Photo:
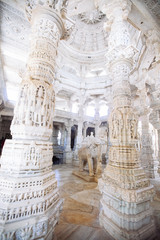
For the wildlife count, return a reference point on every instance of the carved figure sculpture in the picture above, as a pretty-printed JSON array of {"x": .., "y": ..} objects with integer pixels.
[{"x": 90, "y": 152}]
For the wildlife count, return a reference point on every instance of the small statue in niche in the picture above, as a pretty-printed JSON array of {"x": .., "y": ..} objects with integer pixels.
[
  {"x": 117, "y": 125},
  {"x": 32, "y": 154},
  {"x": 133, "y": 128},
  {"x": 39, "y": 105},
  {"x": 21, "y": 107}
]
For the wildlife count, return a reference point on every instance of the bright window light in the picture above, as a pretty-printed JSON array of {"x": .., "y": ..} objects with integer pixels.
[
  {"x": 75, "y": 108},
  {"x": 59, "y": 137},
  {"x": 103, "y": 110},
  {"x": 90, "y": 111},
  {"x": 12, "y": 94}
]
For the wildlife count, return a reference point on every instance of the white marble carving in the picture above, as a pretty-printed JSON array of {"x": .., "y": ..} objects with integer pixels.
[
  {"x": 126, "y": 192},
  {"x": 91, "y": 152},
  {"x": 29, "y": 198}
]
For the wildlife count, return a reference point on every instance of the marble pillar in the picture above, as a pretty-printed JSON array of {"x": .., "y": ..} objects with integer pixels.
[
  {"x": 126, "y": 192},
  {"x": 78, "y": 143},
  {"x": 55, "y": 135},
  {"x": 146, "y": 154},
  {"x": 29, "y": 197},
  {"x": 68, "y": 151},
  {"x": 79, "y": 134},
  {"x": 62, "y": 135}
]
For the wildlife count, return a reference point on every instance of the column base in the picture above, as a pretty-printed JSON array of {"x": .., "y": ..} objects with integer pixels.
[
  {"x": 29, "y": 197},
  {"x": 126, "y": 204},
  {"x": 68, "y": 157},
  {"x": 38, "y": 227},
  {"x": 144, "y": 233}
]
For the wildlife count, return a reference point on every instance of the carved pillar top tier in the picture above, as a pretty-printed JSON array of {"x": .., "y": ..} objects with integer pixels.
[
  {"x": 119, "y": 44},
  {"x": 115, "y": 10},
  {"x": 33, "y": 113},
  {"x": 58, "y": 6},
  {"x": 40, "y": 12},
  {"x": 47, "y": 29},
  {"x": 123, "y": 121},
  {"x": 120, "y": 50}
]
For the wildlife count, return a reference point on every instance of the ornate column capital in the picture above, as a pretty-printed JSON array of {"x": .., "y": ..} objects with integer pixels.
[
  {"x": 56, "y": 5},
  {"x": 114, "y": 10},
  {"x": 51, "y": 15},
  {"x": 153, "y": 43},
  {"x": 119, "y": 41}
]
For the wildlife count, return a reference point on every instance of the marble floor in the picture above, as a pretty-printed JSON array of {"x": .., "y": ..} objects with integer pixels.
[{"x": 79, "y": 216}]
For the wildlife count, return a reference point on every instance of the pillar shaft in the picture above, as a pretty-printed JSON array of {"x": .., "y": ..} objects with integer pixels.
[
  {"x": 68, "y": 151},
  {"x": 29, "y": 198},
  {"x": 147, "y": 151},
  {"x": 68, "y": 146},
  {"x": 79, "y": 134},
  {"x": 126, "y": 192},
  {"x": 62, "y": 135}
]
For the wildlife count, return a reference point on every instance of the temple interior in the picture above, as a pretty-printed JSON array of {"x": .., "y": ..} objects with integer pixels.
[{"x": 79, "y": 119}]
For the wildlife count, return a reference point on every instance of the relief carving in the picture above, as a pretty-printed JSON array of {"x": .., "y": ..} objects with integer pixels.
[{"x": 116, "y": 123}]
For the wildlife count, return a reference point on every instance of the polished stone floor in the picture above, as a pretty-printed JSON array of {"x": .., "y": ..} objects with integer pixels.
[{"x": 79, "y": 216}]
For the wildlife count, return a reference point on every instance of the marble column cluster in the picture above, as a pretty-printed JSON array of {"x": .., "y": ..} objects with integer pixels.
[
  {"x": 126, "y": 192},
  {"x": 29, "y": 198}
]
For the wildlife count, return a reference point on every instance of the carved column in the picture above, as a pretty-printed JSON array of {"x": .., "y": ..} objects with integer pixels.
[
  {"x": 155, "y": 120},
  {"x": 153, "y": 46},
  {"x": 80, "y": 123},
  {"x": 97, "y": 117},
  {"x": 62, "y": 135},
  {"x": 68, "y": 151},
  {"x": 146, "y": 155},
  {"x": 55, "y": 135},
  {"x": 29, "y": 198},
  {"x": 78, "y": 142},
  {"x": 79, "y": 134},
  {"x": 126, "y": 192}
]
